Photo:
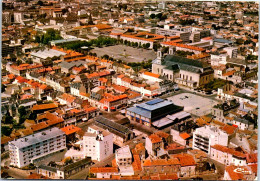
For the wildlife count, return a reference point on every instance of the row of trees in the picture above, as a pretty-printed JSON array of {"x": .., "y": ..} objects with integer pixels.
[
  {"x": 140, "y": 65},
  {"x": 50, "y": 35},
  {"x": 99, "y": 42},
  {"x": 160, "y": 16},
  {"x": 135, "y": 44}
]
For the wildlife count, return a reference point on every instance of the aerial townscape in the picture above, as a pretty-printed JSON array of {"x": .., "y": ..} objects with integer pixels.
[{"x": 129, "y": 90}]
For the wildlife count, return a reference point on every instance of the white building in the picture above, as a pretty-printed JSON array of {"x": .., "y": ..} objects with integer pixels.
[
  {"x": 207, "y": 136},
  {"x": 26, "y": 150},
  {"x": 124, "y": 156},
  {"x": 227, "y": 156},
  {"x": 18, "y": 18},
  {"x": 217, "y": 60},
  {"x": 231, "y": 51},
  {"x": 97, "y": 143}
]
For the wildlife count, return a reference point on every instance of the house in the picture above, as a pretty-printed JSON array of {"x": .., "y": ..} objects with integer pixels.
[
  {"x": 181, "y": 138},
  {"x": 233, "y": 172},
  {"x": 155, "y": 143},
  {"x": 123, "y": 156},
  {"x": 64, "y": 171},
  {"x": 187, "y": 163},
  {"x": 104, "y": 172},
  {"x": 227, "y": 156}
]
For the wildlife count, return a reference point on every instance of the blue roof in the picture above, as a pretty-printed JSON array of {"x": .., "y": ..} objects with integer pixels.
[{"x": 154, "y": 104}]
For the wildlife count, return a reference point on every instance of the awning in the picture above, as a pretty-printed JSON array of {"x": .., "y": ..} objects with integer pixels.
[
  {"x": 147, "y": 95},
  {"x": 155, "y": 94},
  {"x": 112, "y": 107},
  {"x": 105, "y": 107}
]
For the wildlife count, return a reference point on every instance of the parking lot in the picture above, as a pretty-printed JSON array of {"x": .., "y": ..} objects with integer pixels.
[
  {"x": 193, "y": 104},
  {"x": 129, "y": 55}
]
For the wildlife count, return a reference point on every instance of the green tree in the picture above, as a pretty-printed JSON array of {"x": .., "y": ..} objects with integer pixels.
[
  {"x": 3, "y": 87},
  {"x": 6, "y": 131},
  {"x": 152, "y": 16},
  {"x": 22, "y": 114}
]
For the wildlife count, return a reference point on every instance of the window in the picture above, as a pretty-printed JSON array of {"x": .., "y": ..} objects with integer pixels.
[
  {"x": 180, "y": 75},
  {"x": 190, "y": 77}
]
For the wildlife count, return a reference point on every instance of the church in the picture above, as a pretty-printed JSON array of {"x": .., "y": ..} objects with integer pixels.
[{"x": 186, "y": 72}]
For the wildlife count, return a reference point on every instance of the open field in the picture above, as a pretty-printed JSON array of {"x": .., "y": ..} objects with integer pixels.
[{"x": 129, "y": 55}]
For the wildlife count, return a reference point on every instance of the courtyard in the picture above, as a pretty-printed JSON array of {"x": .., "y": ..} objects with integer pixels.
[
  {"x": 129, "y": 55},
  {"x": 194, "y": 104}
]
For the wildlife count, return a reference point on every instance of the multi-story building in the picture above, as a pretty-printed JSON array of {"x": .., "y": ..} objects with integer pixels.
[
  {"x": 124, "y": 156},
  {"x": 97, "y": 143},
  {"x": 209, "y": 135},
  {"x": 231, "y": 51},
  {"x": 29, "y": 149},
  {"x": 6, "y": 17},
  {"x": 184, "y": 71}
]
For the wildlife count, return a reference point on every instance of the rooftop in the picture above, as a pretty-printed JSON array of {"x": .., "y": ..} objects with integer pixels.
[{"x": 37, "y": 137}]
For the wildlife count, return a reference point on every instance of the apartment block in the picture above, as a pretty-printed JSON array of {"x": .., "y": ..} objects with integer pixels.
[
  {"x": 97, "y": 143},
  {"x": 26, "y": 150}
]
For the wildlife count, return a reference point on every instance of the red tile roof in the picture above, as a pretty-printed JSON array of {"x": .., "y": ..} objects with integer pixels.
[
  {"x": 183, "y": 46},
  {"x": 103, "y": 170},
  {"x": 44, "y": 106},
  {"x": 185, "y": 159},
  {"x": 185, "y": 135},
  {"x": 152, "y": 74},
  {"x": 70, "y": 129},
  {"x": 229, "y": 150}
]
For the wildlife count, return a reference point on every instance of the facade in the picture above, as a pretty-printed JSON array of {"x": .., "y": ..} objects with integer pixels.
[
  {"x": 227, "y": 156},
  {"x": 185, "y": 72},
  {"x": 97, "y": 144},
  {"x": 26, "y": 150},
  {"x": 209, "y": 135}
]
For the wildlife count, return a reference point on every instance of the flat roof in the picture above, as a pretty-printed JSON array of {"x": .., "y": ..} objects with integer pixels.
[
  {"x": 37, "y": 137},
  {"x": 123, "y": 152}
]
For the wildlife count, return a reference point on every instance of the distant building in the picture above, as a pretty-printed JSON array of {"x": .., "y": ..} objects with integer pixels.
[
  {"x": 6, "y": 17},
  {"x": 26, "y": 150}
]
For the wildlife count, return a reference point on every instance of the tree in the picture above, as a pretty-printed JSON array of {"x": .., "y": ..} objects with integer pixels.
[
  {"x": 40, "y": 3},
  {"x": 152, "y": 16},
  {"x": 90, "y": 21},
  {"x": 239, "y": 41},
  {"x": 22, "y": 114},
  {"x": 3, "y": 87},
  {"x": 6, "y": 131}
]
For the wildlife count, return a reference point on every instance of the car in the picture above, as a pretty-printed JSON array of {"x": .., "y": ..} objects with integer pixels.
[{"x": 197, "y": 108}]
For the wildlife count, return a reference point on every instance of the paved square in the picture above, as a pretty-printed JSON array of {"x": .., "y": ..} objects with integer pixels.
[
  {"x": 129, "y": 55},
  {"x": 193, "y": 104}
]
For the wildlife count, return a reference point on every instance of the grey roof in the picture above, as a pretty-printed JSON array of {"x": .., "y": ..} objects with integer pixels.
[
  {"x": 45, "y": 167},
  {"x": 171, "y": 62},
  {"x": 65, "y": 40},
  {"x": 69, "y": 65},
  {"x": 242, "y": 120},
  {"x": 37, "y": 137},
  {"x": 47, "y": 53},
  {"x": 221, "y": 40},
  {"x": 237, "y": 61},
  {"x": 113, "y": 127}
]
